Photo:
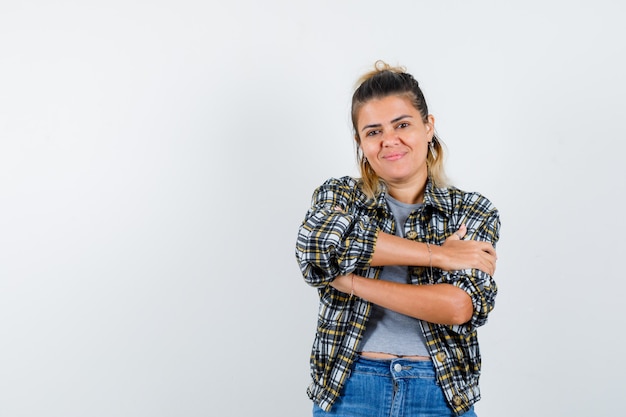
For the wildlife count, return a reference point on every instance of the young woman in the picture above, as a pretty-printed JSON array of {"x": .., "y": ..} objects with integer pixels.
[{"x": 403, "y": 264}]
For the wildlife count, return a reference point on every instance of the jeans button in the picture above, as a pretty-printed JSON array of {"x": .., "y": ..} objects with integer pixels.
[{"x": 397, "y": 367}]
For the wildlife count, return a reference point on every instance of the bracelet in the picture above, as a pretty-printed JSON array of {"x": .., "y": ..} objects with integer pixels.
[
  {"x": 430, "y": 261},
  {"x": 352, "y": 287}
]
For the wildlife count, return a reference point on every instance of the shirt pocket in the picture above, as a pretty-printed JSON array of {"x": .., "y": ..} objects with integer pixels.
[{"x": 424, "y": 275}]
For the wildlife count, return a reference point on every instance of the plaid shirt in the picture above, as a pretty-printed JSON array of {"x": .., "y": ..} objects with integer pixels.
[{"x": 338, "y": 236}]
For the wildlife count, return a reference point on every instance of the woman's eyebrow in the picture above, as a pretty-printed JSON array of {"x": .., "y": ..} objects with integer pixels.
[{"x": 397, "y": 119}]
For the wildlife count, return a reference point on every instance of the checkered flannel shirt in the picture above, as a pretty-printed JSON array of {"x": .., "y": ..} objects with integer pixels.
[{"x": 338, "y": 236}]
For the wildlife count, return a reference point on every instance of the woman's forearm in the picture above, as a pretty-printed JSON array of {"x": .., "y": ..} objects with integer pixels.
[
  {"x": 439, "y": 303},
  {"x": 454, "y": 254}
]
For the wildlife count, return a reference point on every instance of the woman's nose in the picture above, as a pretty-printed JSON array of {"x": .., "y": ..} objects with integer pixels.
[{"x": 390, "y": 138}]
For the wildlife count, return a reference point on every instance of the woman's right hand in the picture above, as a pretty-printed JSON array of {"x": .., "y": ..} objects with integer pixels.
[{"x": 456, "y": 253}]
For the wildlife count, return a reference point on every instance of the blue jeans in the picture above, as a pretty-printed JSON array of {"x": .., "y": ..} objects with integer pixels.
[{"x": 391, "y": 388}]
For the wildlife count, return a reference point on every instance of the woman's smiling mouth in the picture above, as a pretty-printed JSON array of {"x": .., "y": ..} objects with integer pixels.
[{"x": 394, "y": 156}]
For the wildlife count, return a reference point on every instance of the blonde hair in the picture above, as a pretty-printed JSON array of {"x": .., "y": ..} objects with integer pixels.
[{"x": 383, "y": 81}]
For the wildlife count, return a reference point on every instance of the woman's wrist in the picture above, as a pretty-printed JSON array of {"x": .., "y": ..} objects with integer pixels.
[
  {"x": 437, "y": 256},
  {"x": 351, "y": 285},
  {"x": 344, "y": 283}
]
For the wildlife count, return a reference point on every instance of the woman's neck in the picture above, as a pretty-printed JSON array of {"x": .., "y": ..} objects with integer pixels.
[
  {"x": 407, "y": 193},
  {"x": 410, "y": 191}
]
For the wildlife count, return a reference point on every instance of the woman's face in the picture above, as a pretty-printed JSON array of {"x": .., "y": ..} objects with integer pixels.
[{"x": 394, "y": 139}]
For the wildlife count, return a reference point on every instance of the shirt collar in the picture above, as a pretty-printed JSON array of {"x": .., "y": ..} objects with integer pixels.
[
  {"x": 438, "y": 198},
  {"x": 434, "y": 197}
]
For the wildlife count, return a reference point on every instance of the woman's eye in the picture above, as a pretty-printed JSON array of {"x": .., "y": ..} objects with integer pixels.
[
  {"x": 372, "y": 132},
  {"x": 403, "y": 125}
]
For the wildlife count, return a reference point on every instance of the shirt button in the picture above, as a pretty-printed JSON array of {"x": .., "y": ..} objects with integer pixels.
[
  {"x": 457, "y": 401},
  {"x": 411, "y": 234},
  {"x": 397, "y": 367},
  {"x": 459, "y": 354},
  {"x": 441, "y": 356}
]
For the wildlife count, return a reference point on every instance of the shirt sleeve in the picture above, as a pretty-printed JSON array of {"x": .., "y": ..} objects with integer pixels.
[
  {"x": 332, "y": 239},
  {"x": 480, "y": 286}
]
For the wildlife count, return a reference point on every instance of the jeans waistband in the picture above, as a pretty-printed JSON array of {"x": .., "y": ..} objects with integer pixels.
[{"x": 396, "y": 368}]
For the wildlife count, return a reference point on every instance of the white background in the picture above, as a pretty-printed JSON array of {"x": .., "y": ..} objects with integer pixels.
[{"x": 157, "y": 157}]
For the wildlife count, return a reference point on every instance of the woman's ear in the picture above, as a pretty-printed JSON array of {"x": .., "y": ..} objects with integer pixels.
[{"x": 430, "y": 125}]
